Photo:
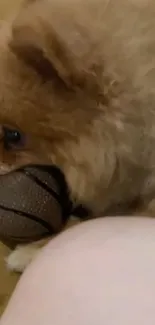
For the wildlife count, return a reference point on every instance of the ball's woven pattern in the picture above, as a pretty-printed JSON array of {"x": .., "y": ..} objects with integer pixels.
[{"x": 30, "y": 208}]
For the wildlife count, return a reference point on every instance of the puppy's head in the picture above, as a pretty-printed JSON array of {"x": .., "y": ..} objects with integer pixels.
[{"x": 49, "y": 89}]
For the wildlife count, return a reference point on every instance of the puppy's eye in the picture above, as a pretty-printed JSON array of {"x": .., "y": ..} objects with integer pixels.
[{"x": 13, "y": 139}]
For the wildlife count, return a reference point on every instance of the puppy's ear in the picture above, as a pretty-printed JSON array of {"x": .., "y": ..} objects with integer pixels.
[{"x": 53, "y": 41}]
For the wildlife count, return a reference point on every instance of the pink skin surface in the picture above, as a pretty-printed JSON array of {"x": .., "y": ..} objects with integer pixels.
[{"x": 101, "y": 272}]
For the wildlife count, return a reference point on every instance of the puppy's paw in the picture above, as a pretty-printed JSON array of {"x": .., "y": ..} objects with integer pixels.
[{"x": 20, "y": 258}]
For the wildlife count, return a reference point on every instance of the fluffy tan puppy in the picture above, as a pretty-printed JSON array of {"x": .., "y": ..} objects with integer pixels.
[{"x": 77, "y": 89}]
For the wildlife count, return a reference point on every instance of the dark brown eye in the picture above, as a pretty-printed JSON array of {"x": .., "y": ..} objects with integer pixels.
[{"x": 12, "y": 138}]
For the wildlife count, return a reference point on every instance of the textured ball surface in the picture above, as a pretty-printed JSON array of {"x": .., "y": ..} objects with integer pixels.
[{"x": 29, "y": 206}]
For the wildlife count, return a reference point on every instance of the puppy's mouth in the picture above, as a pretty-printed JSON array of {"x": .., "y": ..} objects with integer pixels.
[
  {"x": 63, "y": 195},
  {"x": 60, "y": 192}
]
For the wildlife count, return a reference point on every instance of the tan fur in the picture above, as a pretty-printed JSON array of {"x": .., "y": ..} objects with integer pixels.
[{"x": 78, "y": 78}]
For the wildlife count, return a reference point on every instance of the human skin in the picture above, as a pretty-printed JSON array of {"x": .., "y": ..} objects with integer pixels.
[{"x": 100, "y": 272}]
